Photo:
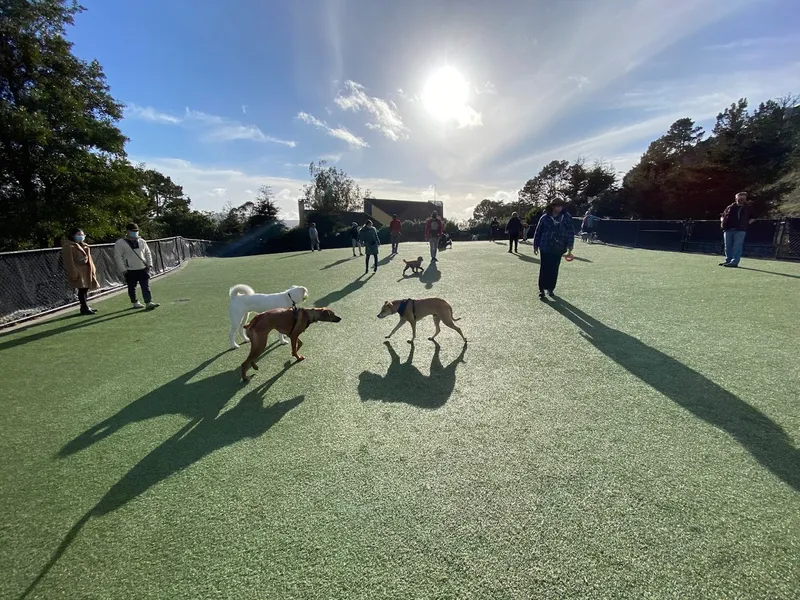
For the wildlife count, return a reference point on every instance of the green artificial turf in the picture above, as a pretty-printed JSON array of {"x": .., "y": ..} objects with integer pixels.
[{"x": 636, "y": 439}]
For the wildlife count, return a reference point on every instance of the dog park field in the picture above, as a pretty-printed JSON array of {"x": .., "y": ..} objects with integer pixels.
[{"x": 636, "y": 438}]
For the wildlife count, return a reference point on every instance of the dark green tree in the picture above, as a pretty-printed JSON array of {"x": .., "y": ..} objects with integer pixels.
[
  {"x": 332, "y": 190},
  {"x": 62, "y": 159}
]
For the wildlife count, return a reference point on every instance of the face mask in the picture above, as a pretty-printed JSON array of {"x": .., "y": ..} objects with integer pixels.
[
  {"x": 133, "y": 234},
  {"x": 79, "y": 238}
]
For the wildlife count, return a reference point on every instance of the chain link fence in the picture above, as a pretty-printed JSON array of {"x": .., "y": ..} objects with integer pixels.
[
  {"x": 766, "y": 238},
  {"x": 33, "y": 282}
]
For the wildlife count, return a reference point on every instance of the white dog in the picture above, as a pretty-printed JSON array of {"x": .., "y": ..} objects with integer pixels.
[{"x": 244, "y": 301}]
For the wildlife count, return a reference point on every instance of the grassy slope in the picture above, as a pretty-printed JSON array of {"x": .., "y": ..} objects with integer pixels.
[{"x": 638, "y": 441}]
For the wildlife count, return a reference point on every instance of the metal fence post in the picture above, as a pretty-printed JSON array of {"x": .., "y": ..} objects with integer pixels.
[{"x": 779, "y": 233}]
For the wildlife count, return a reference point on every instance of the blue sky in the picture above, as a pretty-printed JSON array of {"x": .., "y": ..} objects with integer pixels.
[{"x": 472, "y": 97}]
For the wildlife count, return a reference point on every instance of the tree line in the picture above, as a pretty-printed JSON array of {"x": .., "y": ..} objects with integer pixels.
[{"x": 684, "y": 174}]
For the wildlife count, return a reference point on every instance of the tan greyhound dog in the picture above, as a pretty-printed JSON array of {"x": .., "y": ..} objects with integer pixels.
[{"x": 411, "y": 311}]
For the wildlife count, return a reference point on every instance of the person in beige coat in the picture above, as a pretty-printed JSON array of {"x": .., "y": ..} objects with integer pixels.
[{"x": 78, "y": 264}]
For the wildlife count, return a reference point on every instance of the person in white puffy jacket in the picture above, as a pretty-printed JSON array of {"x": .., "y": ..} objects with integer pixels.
[{"x": 134, "y": 260}]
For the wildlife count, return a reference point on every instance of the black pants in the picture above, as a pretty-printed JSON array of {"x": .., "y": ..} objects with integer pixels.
[
  {"x": 142, "y": 277},
  {"x": 548, "y": 271},
  {"x": 83, "y": 295},
  {"x": 375, "y": 261},
  {"x": 513, "y": 242}
]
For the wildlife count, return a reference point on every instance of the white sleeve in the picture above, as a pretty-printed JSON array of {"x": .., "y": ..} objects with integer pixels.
[{"x": 118, "y": 256}]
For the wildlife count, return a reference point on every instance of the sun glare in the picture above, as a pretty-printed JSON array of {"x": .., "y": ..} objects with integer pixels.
[{"x": 445, "y": 94}]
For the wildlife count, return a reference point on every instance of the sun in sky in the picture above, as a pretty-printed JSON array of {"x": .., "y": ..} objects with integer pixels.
[{"x": 445, "y": 94}]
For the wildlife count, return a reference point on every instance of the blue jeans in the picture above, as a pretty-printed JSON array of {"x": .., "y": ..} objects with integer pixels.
[{"x": 734, "y": 244}]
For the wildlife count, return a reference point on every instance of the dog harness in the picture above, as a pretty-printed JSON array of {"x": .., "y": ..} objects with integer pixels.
[
  {"x": 402, "y": 309},
  {"x": 294, "y": 304}
]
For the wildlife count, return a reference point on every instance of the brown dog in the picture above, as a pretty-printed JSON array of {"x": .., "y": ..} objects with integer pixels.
[
  {"x": 411, "y": 311},
  {"x": 414, "y": 265},
  {"x": 288, "y": 321}
]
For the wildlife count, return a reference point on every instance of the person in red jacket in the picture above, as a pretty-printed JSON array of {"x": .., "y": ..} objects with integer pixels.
[
  {"x": 433, "y": 230},
  {"x": 396, "y": 228}
]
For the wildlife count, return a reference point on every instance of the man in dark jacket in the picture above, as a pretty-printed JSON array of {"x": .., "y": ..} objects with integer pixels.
[
  {"x": 554, "y": 236},
  {"x": 513, "y": 228},
  {"x": 735, "y": 220},
  {"x": 494, "y": 227}
]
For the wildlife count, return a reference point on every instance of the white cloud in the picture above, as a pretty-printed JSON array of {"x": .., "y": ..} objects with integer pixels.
[
  {"x": 338, "y": 132},
  {"x": 244, "y": 109},
  {"x": 581, "y": 80},
  {"x": 486, "y": 88},
  {"x": 211, "y": 187},
  {"x": 212, "y": 127},
  {"x": 147, "y": 113},
  {"x": 331, "y": 158},
  {"x": 661, "y": 105},
  {"x": 385, "y": 117}
]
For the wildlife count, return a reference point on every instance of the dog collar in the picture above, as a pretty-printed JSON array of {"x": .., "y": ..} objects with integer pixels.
[
  {"x": 402, "y": 309},
  {"x": 294, "y": 304}
]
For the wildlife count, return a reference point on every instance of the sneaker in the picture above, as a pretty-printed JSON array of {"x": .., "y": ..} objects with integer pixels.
[
  {"x": 541, "y": 296},
  {"x": 731, "y": 266},
  {"x": 152, "y": 305},
  {"x": 551, "y": 294},
  {"x": 137, "y": 304},
  {"x": 723, "y": 264},
  {"x": 88, "y": 311}
]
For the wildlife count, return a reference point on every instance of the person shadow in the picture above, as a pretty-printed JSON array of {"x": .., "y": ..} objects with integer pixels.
[
  {"x": 195, "y": 400},
  {"x": 205, "y": 432},
  {"x": 430, "y": 275},
  {"x": 386, "y": 259},
  {"x": 403, "y": 382},
  {"x": 337, "y": 263},
  {"x": 770, "y": 272},
  {"x": 530, "y": 259},
  {"x": 764, "y": 439},
  {"x": 71, "y": 322},
  {"x": 354, "y": 286}
]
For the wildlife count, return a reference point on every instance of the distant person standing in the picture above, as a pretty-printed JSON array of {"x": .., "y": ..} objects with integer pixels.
[
  {"x": 313, "y": 235},
  {"x": 369, "y": 237},
  {"x": 494, "y": 229},
  {"x": 434, "y": 228},
  {"x": 555, "y": 235},
  {"x": 395, "y": 228},
  {"x": 513, "y": 229},
  {"x": 354, "y": 238},
  {"x": 735, "y": 220},
  {"x": 134, "y": 259},
  {"x": 78, "y": 263}
]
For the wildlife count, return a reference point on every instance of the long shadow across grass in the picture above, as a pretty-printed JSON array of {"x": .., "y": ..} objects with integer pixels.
[
  {"x": 764, "y": 439},
  {"x": 206, "y": 432},
  {"x": 70, "y": 322},
  {"x": 345, "y": 291},
  {"x": 403, "y": 382}
]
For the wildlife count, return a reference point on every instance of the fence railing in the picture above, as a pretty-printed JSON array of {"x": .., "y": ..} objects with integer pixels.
[
  {"x": 33, "y": 282},
  {"x": 766, "y": 238}
]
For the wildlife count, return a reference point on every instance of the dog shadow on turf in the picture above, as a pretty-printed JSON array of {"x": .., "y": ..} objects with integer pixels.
[
  {"x": 764, "y": 439},
  {"x": 206, "y": 431},
  {"x": 403, "y": 382}
]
